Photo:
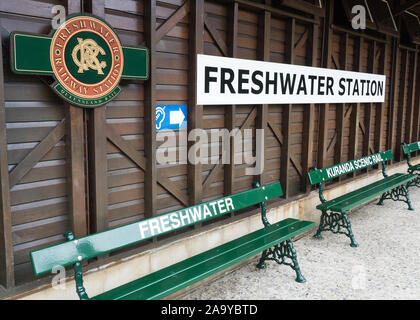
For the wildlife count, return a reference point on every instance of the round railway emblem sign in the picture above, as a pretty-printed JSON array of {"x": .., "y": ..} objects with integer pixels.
[{"x": 87, "y": 61}]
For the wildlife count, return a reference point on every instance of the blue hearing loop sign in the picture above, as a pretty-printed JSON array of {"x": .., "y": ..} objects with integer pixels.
[{"x": 171, "y": 117}]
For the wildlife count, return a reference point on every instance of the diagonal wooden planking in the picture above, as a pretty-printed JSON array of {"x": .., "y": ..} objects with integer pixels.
[
  {"x": 213, "y": 173},
  {"x": 171, "y": 22},
  {"x": 302, "y": 39},
  {"x": 123, "y": 145},
  {"x": 337, "y": 65},
  {"x": 223, "y": 47},
  {"x": 221, "y": 44},
  {"x": 140, "y": 161},
  {"x": 279, "y": 137},
  {"x": 37, "y": 154}
]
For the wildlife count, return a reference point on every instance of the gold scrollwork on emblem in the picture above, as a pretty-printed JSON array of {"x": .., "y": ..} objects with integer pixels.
[{"x": 89, "y": 51}]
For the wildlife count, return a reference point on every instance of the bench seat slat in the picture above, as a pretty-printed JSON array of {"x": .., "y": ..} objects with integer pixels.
[
  {"x": 173, "y": 278},
  {"x": 354, "y": 198}
]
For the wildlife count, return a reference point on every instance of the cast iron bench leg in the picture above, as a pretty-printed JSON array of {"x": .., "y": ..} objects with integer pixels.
[
  {"x": 398, "y": 194},
  {"x": 415, "y": 182},
  {"x": 278, "y": 254},
  {"x": 321, "y": 225},
  {"x": 334, "y": 222}
]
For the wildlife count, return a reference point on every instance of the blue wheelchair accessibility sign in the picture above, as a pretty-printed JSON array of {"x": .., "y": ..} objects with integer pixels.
[{"x": 171, "y": 117}]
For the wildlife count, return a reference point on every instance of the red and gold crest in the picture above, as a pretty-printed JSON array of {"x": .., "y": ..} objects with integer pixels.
[{"x": 87, "y": 60}]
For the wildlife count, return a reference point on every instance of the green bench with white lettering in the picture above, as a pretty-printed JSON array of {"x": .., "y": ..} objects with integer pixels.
[
  {"x": 334, "y": 212},
  {"x": 415, "y": 169},
  {"x": 273, "y": 240}
]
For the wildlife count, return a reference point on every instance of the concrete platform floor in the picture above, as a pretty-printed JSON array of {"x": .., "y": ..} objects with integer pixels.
[{"x": 386, "y": 265}]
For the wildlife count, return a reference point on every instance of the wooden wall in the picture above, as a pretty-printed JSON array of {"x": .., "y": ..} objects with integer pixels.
[{"x": 88, "y": 170}]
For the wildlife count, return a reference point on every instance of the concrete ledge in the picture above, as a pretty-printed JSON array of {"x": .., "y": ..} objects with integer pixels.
[{"x": 114, "y": 274}]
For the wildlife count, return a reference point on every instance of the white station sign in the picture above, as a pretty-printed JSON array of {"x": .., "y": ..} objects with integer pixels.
[{"x": 222, "y": 81}]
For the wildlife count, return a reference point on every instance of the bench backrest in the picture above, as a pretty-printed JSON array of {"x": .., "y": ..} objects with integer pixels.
[
  {"x": 321, "y": 175},
  {"x": 412, "y": 147},
  {"x": 71, "y": 252}
]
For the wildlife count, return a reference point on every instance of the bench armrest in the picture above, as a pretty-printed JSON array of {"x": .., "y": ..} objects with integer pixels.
[
  {"x": 320, "y": 187},
  {"x": 385, "y": 175},
  {"x": 264, "y": 219},
  {"x": 78, "y": 271},
  {"x": 408, "y": 155}
]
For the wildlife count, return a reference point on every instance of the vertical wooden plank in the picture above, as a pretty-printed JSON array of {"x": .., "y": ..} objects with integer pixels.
[
  {"x": 98, "y": 169},
  {"x": 98, "y": 153},
  {"x": 338, "y": 150},
  {"x": 369, "y": 106},
  {"x": 150, "y": 191},
  {"x": 401, "y": 104},
  {"x": 416, "y": 102},
  {"x": 409, "y": 127},
  {"x": 287, "y": 113},
  {"x": 379, "y": 119},
  {"x": 74, "y": 6},
  {"x": 392, "y": 94},
  {"x": 195, "y": 112},
  {"x": 7, "y": 275},
  {"x": 309, "y": 117},
  {"x": 233, "y": 30},
  {"x": 98, "y": 7},
  {"x": 75, "y": 141},
  {"x": 264, "y": 55},
  {"x": 230, "y": 111},
  {"x": 325, "y": 63},
  {"x": 354, "y": 118}
]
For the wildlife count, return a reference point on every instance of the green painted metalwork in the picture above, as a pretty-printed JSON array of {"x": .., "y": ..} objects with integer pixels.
[
  {"x": 334, "y": 212},
  {"x": 88, "y": 247},
  {"x": 412, "y": 169},
  {"x": 385, "y": 175},
  {"x": 415, "y": 182},
  {"x": 264, "y": 219},
  {"x": 78, "y": 272},
  {"x": 397, "y": 194},
  {"x": 364, "y": 194},
  {"x": 182, "y": 274},
  {"x": 336, "y": 223},
  {"x": 321, "y": 175},
  {"x": 279, "y": 253}
]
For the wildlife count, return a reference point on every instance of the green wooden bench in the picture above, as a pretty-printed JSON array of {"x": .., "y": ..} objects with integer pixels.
[
  {"x": 408, "y": 149},
  {"x": 334, "y": 212},
  {"x": 273, "y": 240}
]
